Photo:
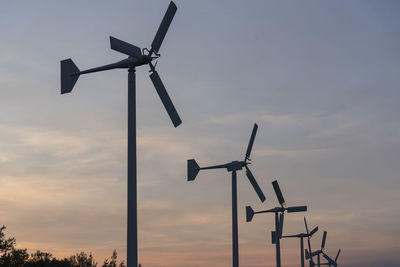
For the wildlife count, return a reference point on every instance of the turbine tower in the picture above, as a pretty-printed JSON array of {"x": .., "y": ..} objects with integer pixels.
[
  {"x": 279, "y": 216},
  {"x": 302, "y": 236},
  {"x": 233, "y": 167},
  {"x": 136, "y": 57}
]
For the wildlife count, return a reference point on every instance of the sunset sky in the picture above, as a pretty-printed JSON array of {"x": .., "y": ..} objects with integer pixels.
[{"x": 321, "y": 79}]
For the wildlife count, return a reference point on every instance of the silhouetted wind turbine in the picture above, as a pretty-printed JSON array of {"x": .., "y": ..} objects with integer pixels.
[
  {"x": 309, "y": 245},
  {"x": 302, "y": 236},
  {"x": 331, "y": 262},
  {"x": 136, "y": 57},
  {"x": 310, "y": 254},
  {"x": 194, "y": 168},
  {"x": 320, "y": 252},
  {"x": 279, "y": 216}
]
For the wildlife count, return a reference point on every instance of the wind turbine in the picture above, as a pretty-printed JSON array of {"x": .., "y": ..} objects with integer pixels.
[
  {"x": 320, "y": 252},
  {"x": 279, "y": 216},
  {"x": 136, "y": 57},
  {"x": 302, "y": 236},
  {"x": 233, "y": 167},
  {"x": 331, "y": 262},
  {"x": 310, "y": 254}
]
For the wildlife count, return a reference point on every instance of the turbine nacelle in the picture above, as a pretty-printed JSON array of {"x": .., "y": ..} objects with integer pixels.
[{"x": 235, "y": 166}]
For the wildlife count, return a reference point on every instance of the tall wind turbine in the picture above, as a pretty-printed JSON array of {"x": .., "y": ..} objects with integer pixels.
[
  {"x": 279, "y": 216},
  {"x": 234, "y": 166},
  {"x": 136, "y": 57},
  {"x": 302, "y": 236}
]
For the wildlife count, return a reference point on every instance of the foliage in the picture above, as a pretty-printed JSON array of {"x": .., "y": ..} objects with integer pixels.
[
  {"x": 113, "y": 261},
  {"x": 82, "y": 260},
  {"x": 13, "y": 257}
]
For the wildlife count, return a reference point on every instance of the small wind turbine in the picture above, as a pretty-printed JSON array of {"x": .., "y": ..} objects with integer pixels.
[
  {"x": 331, "y": 262},
  {"x": 302, "y": 236},
  {"x": 194, "y": 168},
  {"x": 136, "y": 57},
  {"x": 279, "y": 216},
  {"x": 310, "y": 254},
  {"x": 319, "y": 252}
]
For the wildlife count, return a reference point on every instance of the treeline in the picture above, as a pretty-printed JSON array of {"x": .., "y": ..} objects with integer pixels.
[{"x": 14, "y": 257}]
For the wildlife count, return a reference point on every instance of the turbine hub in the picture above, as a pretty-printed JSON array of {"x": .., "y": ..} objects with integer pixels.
[
  {"x": 146, "y": 59},
  {"x": 236, "y": 166}
]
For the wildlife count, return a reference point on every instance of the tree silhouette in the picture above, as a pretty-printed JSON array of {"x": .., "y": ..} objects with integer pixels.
[
  {"x": 13, "y": 257},
  {"x": 113, "y": 261},
  {"x": 5, "y": 244},
  {"x": 82, "y": 260}
]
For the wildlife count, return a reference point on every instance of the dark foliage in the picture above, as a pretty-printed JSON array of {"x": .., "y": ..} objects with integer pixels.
[{"x": 13, "y": 257}]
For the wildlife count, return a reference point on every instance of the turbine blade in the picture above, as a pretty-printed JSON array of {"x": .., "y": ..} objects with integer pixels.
[
  {"x": 308, "y": 238},
  {"x": 69, "y": 75},
  {"x": 323, "y": 240},
  {"x": 305, "y": 223},
  {"x": 297, "y": 209},
  {"x": 273, "y": 237},
  {"x": 250, "y": 145},
  {"x": 337, "y": 255},
  {"x": 280, "y": 226},
  {"x": 327, "y": 258},
  {"x": 278, "y": 192},
  {"x": 162, "y": 30},
  {"x": 125, "y": 48},
  {"x": 249, "y": 213},
  {"x": 309, "y": 244},
  {"x": 165, "y": 99},
  {"x": 255, "y": 185},
  {"x": 313, "y": 231},
  {"x": 307, "y": 254}
]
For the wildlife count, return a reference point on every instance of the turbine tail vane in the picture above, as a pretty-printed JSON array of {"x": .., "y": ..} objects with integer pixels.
[
  {"x": 165, "y": 99},
  {"x": 162, "y": 30},
  {"x": 249, "y": 213},
  {"x": 250, "y": 146},
  {"x": 255, "y": 185},
  {"x": 69, "y": 75},
  {"x": 192, "y": 169}
]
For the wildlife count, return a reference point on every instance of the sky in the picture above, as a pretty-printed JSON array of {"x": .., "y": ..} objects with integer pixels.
[{"x": 320, "y": 78}]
